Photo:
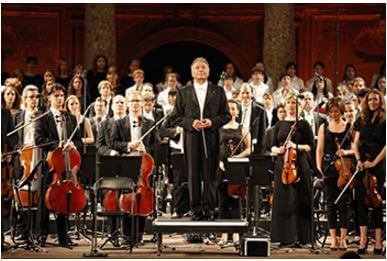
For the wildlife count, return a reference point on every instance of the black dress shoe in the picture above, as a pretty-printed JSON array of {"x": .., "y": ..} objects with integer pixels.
[
  {"x": 378, "y": 251},
  {"x": 69, "y": 243}
]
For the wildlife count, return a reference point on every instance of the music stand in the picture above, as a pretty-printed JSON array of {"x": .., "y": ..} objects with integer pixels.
[
  {"x": 88, "y": 170},
  {"x": 125, "y": 166},
  {"x": 235, "y": 168}
]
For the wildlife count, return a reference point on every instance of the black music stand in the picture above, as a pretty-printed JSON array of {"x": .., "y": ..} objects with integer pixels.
[
  {"x": 126, "y": 166},
  {"x": 88, "y": 169},
  {"x": 260, "y": 176}
]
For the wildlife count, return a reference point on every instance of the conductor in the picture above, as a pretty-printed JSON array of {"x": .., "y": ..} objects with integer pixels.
[{"x": 201, "y": 109}]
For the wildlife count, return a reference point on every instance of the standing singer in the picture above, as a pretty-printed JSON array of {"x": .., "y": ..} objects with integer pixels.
[{"x": 201, "y": 109}]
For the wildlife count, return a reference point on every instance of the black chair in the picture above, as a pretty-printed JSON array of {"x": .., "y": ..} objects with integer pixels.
[{"x": 119, "y": 185}]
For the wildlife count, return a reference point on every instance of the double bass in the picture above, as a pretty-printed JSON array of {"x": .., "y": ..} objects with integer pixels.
[{"x": 65, "y": 195}]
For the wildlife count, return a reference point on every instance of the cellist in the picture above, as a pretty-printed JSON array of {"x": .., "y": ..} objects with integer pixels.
[
  {"x": 26, "y": 136},
  {"x": 125, "y": 137},
  {"x": 49, "y": 129}
]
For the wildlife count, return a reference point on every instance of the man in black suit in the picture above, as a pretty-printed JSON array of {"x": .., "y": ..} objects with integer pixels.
[
  {"x": 104, "y": 147},
  {"x": 252, "y": 118},
  {"x": 314, "y": 118},
  {"x": 50, "y": 129},
  {"x": 201, "y": 109},
  {"x": 125, "y": 138},
  {"x": 270, "y": 111}
]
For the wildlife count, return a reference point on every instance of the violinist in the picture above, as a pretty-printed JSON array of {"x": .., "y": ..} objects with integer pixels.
[
  {"x": 291, "y": 216},
  {"x": 26, "y": 135},
  {"x": 49, "y": 129},
  {"x": 370, "y": 138},
  {"x": 336, "y": 131},
  {"x": 125, "y": 138},
  {"x": 230, "y": 135}
]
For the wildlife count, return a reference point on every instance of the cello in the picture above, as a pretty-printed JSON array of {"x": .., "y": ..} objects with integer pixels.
[
  {"x": 65, "y": 195},
  {"x": 29, "y": 158},
  {"x": 6, "y": 186},
  {"x": 144, "y": 196}
]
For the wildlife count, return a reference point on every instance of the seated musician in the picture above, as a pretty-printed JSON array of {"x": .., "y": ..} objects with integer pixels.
[
  {"x": 26, "y": 137},
  {"x": 126, "y": 134},
  {"x": 231, "y": 145},
  {"x": 49, "y": 129}
]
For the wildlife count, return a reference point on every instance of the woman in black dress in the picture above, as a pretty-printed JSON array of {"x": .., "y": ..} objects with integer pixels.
[
  {"x": 337, "y": 131},
  {"x": 291, "y": 216},
  {"x": 230, "y": 136},
  {"x": 370, "y": 140}
]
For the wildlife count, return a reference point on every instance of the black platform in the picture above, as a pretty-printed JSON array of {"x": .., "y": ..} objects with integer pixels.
[{"x": 184, "y": 226}]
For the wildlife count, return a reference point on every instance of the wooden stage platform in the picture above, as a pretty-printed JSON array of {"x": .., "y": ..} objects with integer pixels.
[{"x": 183, "y": 250}]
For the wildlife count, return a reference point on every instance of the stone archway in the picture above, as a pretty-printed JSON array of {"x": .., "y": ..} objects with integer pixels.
[{"x": 195, "y": 35}]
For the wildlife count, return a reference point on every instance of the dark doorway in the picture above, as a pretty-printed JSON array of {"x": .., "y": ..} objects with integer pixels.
[{"x": 180, "y": 56}]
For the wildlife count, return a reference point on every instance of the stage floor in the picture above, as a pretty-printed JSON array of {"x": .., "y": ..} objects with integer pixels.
[{"x": 182, "y": 250}]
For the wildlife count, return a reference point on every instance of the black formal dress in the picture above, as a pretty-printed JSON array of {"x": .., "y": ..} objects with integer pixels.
[
  {"x": 331, "y": 175},
  {"x": 199, "y": 167},
  {"x": 229, "y": 139},
  {"x": 372, "y": 141},
  {"x": 291, "y": 216},
  {"x": 45, "y": 132}
]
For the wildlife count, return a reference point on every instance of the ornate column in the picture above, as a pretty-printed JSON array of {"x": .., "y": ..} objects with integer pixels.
[
  {"x": 278, "y": 38},
  {"x": 100, "y": 33}
]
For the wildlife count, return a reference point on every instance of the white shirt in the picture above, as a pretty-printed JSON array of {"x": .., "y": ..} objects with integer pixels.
[
  {"x": 116, "y": 117},
  {"x": 58, "y": 122},
  {"x": 201, "y": 92},
  {"x": 246, "y": 116},
  {"x": 269, "y": 116},
  {"x": 310, "y": 119},
  {"x": 162, "y": 97},
  {"x": 131, "y": 88},
  {"x": 148, "y": 115},
  {"x": 259, "y": 91},
  {"x": 228, "y": 93},
  {"x": 29, "y": 131},
  {"x": 135, "y": 129},
  {"x": 297, "y": 83}
]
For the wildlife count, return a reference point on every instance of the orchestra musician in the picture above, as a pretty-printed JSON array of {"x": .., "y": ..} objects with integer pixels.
[
  {"x": 291, "y": 215},
  {"x": 26, "y": 136},
  {"x": 49, "y": 129},
  {"x": 336, "y": 131},
  {"x": 7, "y": 143},
  {"x": 230, "y": 136},
  {"x": 201, "y": 109},
  {"x": 370, "y": 138},
  {"x": 125, "y": 138},
  {"x": 252, "y": 117}
]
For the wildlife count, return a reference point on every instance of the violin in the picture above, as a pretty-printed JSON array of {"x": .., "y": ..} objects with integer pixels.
[
  {"x": 29, "y": 158},
  {"x": 6, "y": 186},
  {"x": 64, "y": 195},
  {"x": 343, "y": 166},
  {"x": 289, "y": 171},
  {"x": 370, "y": 183}
]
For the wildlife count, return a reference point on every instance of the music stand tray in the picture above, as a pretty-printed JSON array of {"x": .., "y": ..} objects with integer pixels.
[
  {"x": 237, "y": 169},
  {"x": 127, "y": 166}
]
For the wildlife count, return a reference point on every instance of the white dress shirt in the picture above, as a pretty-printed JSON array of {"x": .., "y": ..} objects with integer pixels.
[
  {"x": 148, "y": 115},
  {"x": 246, "y": 116},
  {"x": 58, "y": 122},
  {"x": 135, "y": 129},
  {"x": 201, "y": 92},
  {"x": 29, "y": 130},
  {"x": 162, "y": 97},
  {"x": 259, "y": 91},
  {"x": 308, "y": 116},
  {"x": 228, "y": 93},
  {"x": 269, "y": 116}
]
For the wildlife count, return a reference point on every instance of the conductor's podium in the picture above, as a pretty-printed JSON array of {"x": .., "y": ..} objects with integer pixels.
[{"x": 184, "y": 226}]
